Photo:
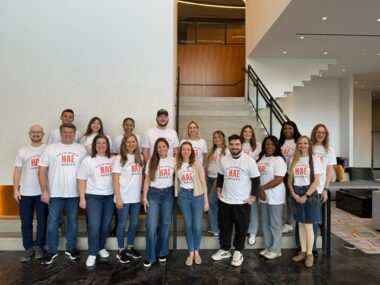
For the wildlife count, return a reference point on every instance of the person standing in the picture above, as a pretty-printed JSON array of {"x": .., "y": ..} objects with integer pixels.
[
  {"x": 191, "y": 190},
  {"x": 158, "y": 202},
  {"x": 96, "y": 195},
  {"x": 237, "y": 185},
  {"x": 192, "y": 134},
  {"x": 160, "y": 131},
  {"x": 127, "y": 182},
  {"x": 94, "y": 127},
  {"x": 67, "y": 117},
  {"x": 128, "y": 127},
  {"x": 27, "y": 192},
  {"x": 57, "y": 175}
]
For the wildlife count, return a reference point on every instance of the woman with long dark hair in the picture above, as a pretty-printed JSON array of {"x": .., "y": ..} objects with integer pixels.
[{"x": 94, "y": 127}]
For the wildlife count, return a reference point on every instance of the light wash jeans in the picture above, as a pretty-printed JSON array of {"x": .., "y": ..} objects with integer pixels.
[
  {"x": 213, "y": 203},
  {"x": 254, "y": 219},
  {"x": 272, "y": 226}
]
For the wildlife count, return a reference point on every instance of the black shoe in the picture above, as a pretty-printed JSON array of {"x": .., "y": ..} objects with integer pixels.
[
  {"x": 49, "y": 258},
  {"x": 112, "y": 233},
  {"x": 131, "y": 252},
  {"x": 147, "y": 264},
  {"x": 122, "y": 257},
  {"x": 73, "y": 254},
  {"x": 162, "y": 259},
  {"x": 315, "y": 253}
]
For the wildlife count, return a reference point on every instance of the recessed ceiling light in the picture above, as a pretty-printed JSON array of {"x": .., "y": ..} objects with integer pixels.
[
  {"x": 325, "y": 52},
  {"x": 378, "y": 20},
  {"x": 284, "y": 52},
  {"x": 344, "y": 70},
  {"x": 378, "y": 53},
  {"x": 356, "y": 82},
  {"x": 324, "y": 18},
  {"x": 302, "y": 37},
  {"x": 362, "y": 86}
]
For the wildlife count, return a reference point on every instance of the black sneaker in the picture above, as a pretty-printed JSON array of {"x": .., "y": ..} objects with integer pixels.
[
  {"x": 162, "y": 258},
  {"x": 147, "y": 264},
  {"x": 315, "y": 253},
  {"x": 49, "y": 258},
  {"x": 122, "y": 257},
  {"x": 131, "y": 252},
  {"x": 73, "y": 254}
]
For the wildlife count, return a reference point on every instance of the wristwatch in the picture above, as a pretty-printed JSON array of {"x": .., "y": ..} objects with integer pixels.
[{"x": 307, "y": 196}]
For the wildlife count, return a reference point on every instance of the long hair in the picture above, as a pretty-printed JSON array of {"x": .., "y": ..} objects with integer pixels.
[
  {"x": 180, "y": 157},
  {"x": 297, "y": 155},
  {"x": 124, "y": 152},
  {"x": 277, "y": 151},
  {"x": 296, "y": 133},
  {"x": 155, "y": 159},
  {"x": 186, "y": 132},
  {"x": 93, "y": 146},
  {"x": 214, "y": 146},
  {"x": 89, "y": 131},
  {"x": 326, "y": 141},
  {"x": 252, "y": 140}
]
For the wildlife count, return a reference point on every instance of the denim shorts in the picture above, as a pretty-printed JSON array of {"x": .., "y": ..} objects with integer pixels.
[{"x": 308, "y": 213}]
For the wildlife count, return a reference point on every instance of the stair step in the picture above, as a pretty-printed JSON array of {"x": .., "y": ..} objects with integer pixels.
[
  {"x": 217, "y": 112},
  {"x": 183, "y": 99}
]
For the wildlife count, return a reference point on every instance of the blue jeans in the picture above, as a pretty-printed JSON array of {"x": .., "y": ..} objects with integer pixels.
[
  {"x": 159, "y": 215},
  {"x": 213, "y": 211},
  {"x": 272, "y": 226},
  {"x": 192, "y": 211},
  {"x": 99, "y": 215},
  {"x": 56, "y": 207},
  {"x": 27, "y": 206},
  {"x": 254, "y": 218},
  {"x": 133, "y": 210}
]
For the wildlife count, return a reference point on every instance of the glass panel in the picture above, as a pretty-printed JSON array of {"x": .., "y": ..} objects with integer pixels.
[
  {"x": 210, "y": 33},
  {"x": 186, "y": 33},
  {"x": 235, "y": 33}
]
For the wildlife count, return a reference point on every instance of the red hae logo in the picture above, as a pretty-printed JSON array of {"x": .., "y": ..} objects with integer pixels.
[
  {"x": 186, "y": 177},
  {"x": 67, "y": 158},
  {"x": 301, "y": 170},
  {"x": 262, "y": 168},
  {"x": 34, "y": 162},
  {"x": 135, "y": 168},
  {"x": 233, "y": 173},
  {"x": 106, "y": 169},
  {"x": 164, "y": 172}
]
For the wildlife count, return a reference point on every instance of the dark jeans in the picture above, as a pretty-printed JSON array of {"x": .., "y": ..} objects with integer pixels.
[
  {"x": 230, "y": 216},
  {"x": 27, "y": 206}
]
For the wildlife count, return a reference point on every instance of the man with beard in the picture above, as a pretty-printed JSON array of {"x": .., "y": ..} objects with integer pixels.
[
  {"x": 237, "y": 185},
  {"x": 57, "y": 175},
  {"x": 27, "y": 193},
  {"x": 160, "y": 131}
]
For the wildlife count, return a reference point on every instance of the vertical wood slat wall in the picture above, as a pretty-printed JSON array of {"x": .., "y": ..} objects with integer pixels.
[{"x": 211, "y": 64}]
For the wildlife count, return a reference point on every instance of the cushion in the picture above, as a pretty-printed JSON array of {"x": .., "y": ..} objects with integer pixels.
[{"x": 340, "y": 173}]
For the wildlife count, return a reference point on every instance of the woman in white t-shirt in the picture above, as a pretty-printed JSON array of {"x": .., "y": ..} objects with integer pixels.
[
  {"x": 193, "y": 135},
  {"x": 288, "y": 136},
  {"x": 94, "y": 127},
  {"x": 191, "y": 189},
  {"x": 304, "y": 175},
  {"x": 158, "y": 202},
  {"x": 218, "y": 150},
  {"x": 272, "y": 168},
  {"x": 127, "y": 177},
  {"x": 251, "y": 147},
  {"x": 96, "y": 195}
]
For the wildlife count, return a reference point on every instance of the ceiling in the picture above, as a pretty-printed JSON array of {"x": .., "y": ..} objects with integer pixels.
[{"x": 351, "y": 35}]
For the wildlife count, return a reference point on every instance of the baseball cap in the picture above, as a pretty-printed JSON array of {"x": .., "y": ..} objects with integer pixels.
[{"x": 162, "y": 112}]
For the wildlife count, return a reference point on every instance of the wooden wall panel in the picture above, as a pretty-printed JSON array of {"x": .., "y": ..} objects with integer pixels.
[{"x": 211, "y": 65}]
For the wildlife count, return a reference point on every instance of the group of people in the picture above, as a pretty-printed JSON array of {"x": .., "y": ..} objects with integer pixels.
[{"x": 232, "y": 183}]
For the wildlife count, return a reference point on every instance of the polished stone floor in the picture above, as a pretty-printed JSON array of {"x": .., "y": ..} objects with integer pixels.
[{"x": 343, "y": 267}]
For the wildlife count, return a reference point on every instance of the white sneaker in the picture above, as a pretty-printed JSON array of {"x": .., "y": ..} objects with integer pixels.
[
  {"x": 104, "y": 253},
  {"x": 91, "y": 261},
  {"x": 237, "y": 258},
  {"x": 252, "y": 239},
  {"x": 272, "y": 255},
  {"x": 221, "y": 254},
  {"x": 264, "y": 252},
  {"x": 286, "y": 228}
]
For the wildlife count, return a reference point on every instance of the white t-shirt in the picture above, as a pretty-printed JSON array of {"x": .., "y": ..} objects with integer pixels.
[
  {"x": 185, "y": 176},
  {"x": 86, "y": 141},
  {"x": 28, "y": 158},
  {"x": 152, "y": 134},
  {"x": 63, "y": 161},
  {"x": 246, "y": 147},
  {"x": 164, "y": 173},
  {"x": 213, "y": 162},
  {"x": 237, "y": 177},
  {"x": 288, "y": 149},
  {"x": 130, "y": 179},
  {"x": 269, "y": 167},
  {"x": 55, "y": 136},
  {"x": 328, "y": 158},
  {"x": 301, "y": 171},
  {"x": 119, "y": 139},
  {"x": 200, "y": 148},
  {"x": 97, "y": 171}
]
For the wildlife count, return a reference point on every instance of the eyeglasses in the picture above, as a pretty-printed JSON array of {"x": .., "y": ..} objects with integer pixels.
[{"x": 35, "y": 133}]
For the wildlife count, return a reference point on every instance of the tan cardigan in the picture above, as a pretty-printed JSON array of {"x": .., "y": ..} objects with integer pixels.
[{"x": 199, "y": 180}]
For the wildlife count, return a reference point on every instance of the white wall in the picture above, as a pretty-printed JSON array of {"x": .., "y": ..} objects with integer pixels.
[
  {"x": 107, "y": 58},
  {"x": 347, "y": 117},
  {"x": 317, "y": 102}
]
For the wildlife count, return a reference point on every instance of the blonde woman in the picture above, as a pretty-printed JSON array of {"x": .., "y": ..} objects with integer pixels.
[{"x": 193, "y": 135}]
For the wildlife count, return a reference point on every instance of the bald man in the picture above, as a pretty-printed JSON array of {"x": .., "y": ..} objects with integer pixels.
[{"x": 27, "y": 192}]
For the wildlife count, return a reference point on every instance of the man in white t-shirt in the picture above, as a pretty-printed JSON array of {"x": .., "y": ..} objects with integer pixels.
[
  {"x": 27, "y": 193},
  {"x": 237, "y": 184},
  {"x": 67, "y": 117},
  {"x": 57, "y": 175},
  {"x": 160, "y": 131}
]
